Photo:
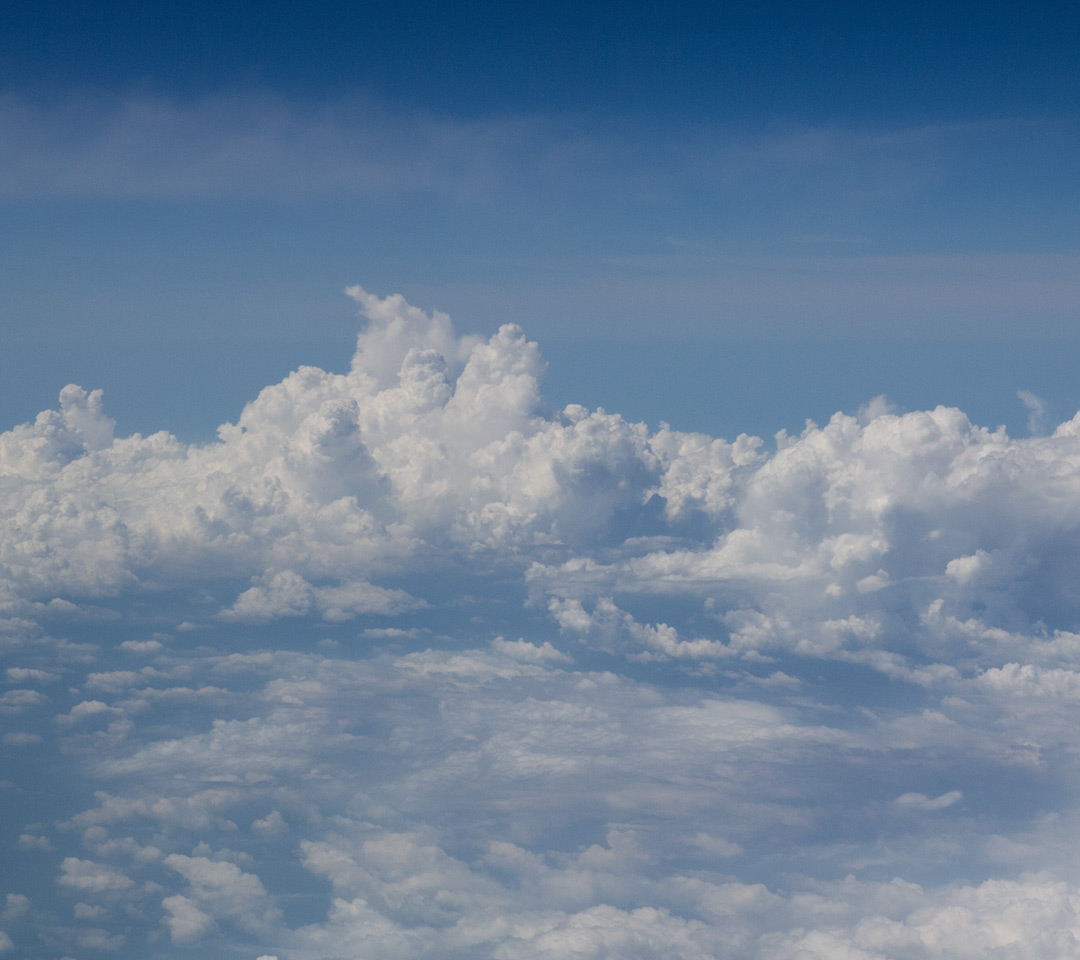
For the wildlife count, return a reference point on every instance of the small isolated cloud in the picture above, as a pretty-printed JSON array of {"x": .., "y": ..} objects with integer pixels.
[
  {"x": 86, "y": 911},
  {"x": 282, "y": 594},
  {"x": 717, "y": 846},
  {"x": 89, "y": 877},
  {"x": 272, "y": 824},
  {"x": 349, "y": 600},
  {"x": 84, "y": 710},
  {"x": 114, "y": 681},
  {"x": 286, "y": 594},
  {"x": 26, "y": 675},
  {"x": 529, "y": 652},
  {"x": 775, "y": 679},
  {"x": 219, "y": 890},
  {"x": 389, "y": 633},
  {"x": 16, "y": 907},
  {"x": 142, "y": 646},
  {"x": 16, "y": 701},
  {"x": 186, "y": 922},
  {"x": 29, "y": 841},
  {"x": 920, "y": 801}
]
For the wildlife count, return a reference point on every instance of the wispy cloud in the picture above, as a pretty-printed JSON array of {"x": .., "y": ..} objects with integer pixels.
[
  {"x": 1036, "y": 408},
  {"x": 246, "y": 144}
]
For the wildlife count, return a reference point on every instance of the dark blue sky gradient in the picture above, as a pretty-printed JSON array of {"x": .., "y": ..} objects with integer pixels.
[{"x": 738, "y": 62}]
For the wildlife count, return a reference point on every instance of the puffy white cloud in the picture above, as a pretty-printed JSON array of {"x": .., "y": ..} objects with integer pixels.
[
  {"x": 141, "y": 646},
  {"x": 15, "y": 907},
  {"x": 84, "y": 710},
  {"x": 272, "y": 823},
  {"x": 84, "y": 911},
  {"x": 186, "y": 922},
  {"x": 432, "y": 442},
  {"x": 286, "y": 594},
  {"x": 222, "y": 890},
  {"x": 528, "y": 652},
  {"x": 89, "y": 877},
  {"x": 24, "y": 675},
  {"x": 29, "y": 841},
  {"x": 1031, "y": 918},
  {"x": 738, "y": 675},
  {"x": 324, "y": 477},
  {"x": 608, "y": 627},
  {"x": 920, "y": 801},
  {"x": 16, "y": 701}
]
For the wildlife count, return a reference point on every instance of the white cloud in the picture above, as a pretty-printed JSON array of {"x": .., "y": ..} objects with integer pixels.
[
  {"x": 735, "y": 673},
  {"x": 1036, "y": 408},
  {"x": 29, "y": 841},
  {"x": 529, "y": 652},
  {"x": 272, "y": 823},
  {"x": 920, "y": 801},
  {"x": 141, "y": 646},
  {"x": 89, "y": 877},
  {"x": 16, "y": 701},
  {"x": 717, "y": 846},
  {"x": 16, "y": 907},
  {"x": 24, "y": 675},
  {"x": 222, "y": 890},
  {"x": 435, "y": 443},
  {"x": 186, "y": 922},
  {"x": 608, "y": 627},
  {"x": 283, "y": 594},
  {"x": 498, "y": 739},
  {"x": 83, "y": 710},
  {"x": 323, "y": 476}
]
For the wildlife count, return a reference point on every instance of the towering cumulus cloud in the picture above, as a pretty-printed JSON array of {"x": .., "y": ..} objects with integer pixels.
[{"x": 407, "y": 665}]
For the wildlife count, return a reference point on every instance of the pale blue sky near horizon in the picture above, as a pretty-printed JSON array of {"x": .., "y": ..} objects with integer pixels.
[{"x": 722, "y": 388}]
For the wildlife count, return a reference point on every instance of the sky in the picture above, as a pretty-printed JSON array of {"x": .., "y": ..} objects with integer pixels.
[
  {"x": 623, "y": 182},
  {"x": 531, "y": 481}
]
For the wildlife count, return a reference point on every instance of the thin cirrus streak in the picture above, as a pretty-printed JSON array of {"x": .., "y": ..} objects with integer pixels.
[{"x": 403, "y": 665}]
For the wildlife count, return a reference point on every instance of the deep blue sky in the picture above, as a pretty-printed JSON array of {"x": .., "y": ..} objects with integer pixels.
[
  {"x": 202, "y": 179},
  {"x": 749, "y": 62}
]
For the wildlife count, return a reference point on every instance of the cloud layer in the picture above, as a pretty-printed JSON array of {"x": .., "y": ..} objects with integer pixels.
[{"x": 406, "y": 664}]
